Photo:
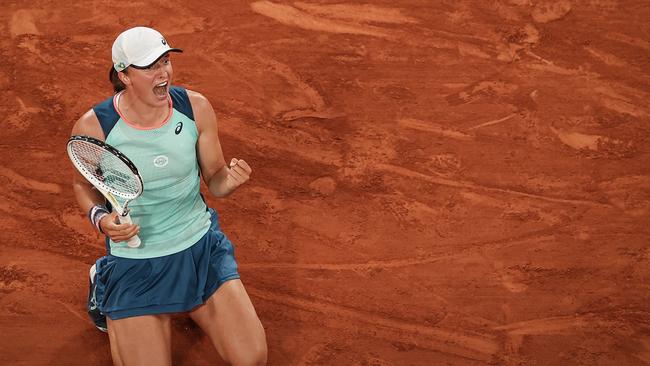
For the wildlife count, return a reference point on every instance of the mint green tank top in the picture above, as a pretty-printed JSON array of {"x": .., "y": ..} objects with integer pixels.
[{"x": 171, "y": 212}]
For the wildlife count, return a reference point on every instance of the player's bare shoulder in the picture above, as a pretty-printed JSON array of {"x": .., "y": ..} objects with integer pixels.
[
  {"x": 88, "y": 125},
  {"x": 204, "y": 115},
  {"x": 199, "y": 102}
]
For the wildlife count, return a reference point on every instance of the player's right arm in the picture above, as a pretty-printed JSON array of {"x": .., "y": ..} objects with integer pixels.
[{"x": 86, "y": 194}]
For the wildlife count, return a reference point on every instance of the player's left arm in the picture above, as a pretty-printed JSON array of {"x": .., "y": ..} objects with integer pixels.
[{"x": 220, "y": 178}]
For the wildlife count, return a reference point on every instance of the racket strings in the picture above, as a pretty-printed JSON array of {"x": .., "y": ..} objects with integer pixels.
[{"x": 105, "y": 168}]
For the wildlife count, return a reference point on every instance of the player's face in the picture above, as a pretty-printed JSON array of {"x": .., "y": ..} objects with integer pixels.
[{"x": 151, "y": 85}]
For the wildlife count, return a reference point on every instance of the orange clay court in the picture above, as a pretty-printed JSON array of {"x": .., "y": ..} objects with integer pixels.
[{"x": 434, "y": 182}]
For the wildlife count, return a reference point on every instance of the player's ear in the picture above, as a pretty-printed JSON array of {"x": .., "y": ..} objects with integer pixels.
[{"x": 124, "y": 78}]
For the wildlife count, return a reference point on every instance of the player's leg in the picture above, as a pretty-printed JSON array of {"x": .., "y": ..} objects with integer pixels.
[
  {"x": 141, "y": 340},
  {"x": 229, "y": 319},
  {"x": 115, "y": 353}
]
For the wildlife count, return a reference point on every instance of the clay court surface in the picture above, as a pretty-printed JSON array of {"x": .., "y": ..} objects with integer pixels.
[{"x": 435, "y": 182}]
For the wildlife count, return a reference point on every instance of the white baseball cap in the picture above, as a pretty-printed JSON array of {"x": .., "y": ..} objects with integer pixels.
[{"x": 139, "y": 47}]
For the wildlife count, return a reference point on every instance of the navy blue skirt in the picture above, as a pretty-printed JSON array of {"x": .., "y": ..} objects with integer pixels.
[{"x": 174, "y": 283}]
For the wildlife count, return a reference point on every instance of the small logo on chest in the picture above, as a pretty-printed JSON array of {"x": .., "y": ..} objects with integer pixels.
[
  {"x": 179, "y": 128},
  {"x": 160, "y": 161}
]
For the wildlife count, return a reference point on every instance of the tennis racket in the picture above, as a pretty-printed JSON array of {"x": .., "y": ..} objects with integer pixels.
[{"x": 111, "y": 172}]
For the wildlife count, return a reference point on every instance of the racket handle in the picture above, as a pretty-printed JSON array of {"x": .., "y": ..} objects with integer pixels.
[{"x": 134, "y": 241}]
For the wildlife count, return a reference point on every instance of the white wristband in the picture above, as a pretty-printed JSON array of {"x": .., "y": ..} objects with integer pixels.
[{"x": 96, "y": 214}]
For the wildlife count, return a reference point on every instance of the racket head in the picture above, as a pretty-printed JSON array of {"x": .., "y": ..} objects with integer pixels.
[{"x": 105, "y": 167}]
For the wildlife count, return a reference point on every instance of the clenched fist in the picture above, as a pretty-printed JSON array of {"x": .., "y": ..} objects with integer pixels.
[{"x": 238, "y": 173}]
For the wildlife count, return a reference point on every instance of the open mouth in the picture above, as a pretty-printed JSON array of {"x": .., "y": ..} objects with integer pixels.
[{"x": 160, "y": 90}]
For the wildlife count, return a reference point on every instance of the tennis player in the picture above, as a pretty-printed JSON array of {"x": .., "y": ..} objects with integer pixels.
[{"x": 185, "y": 263}]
